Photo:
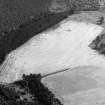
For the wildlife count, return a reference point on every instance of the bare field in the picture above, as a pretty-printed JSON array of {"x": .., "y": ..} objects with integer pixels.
[{"x": 83, "y": 85}]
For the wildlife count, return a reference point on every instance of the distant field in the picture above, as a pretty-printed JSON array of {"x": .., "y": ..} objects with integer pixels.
[{"x": 16, "y": 12}]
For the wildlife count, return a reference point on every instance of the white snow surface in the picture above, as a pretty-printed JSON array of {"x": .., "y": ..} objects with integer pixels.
[{"x": 67, "y": 46}]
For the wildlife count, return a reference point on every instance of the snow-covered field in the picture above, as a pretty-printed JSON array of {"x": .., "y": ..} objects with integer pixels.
[{"x": 66, "y": 46}]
